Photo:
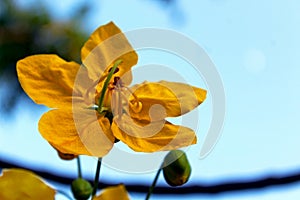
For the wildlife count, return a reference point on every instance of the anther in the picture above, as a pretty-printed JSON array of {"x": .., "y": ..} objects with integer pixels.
[
  {"x": 117, "y": 80},
  {"x": 116, "y": 70},
  {"x": 136, "y": 106}
]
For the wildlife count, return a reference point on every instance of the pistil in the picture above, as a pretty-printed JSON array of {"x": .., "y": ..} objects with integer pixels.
[{"x": 106, "y": 83}]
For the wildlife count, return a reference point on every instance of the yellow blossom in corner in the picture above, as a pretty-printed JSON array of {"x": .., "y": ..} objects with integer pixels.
[
  {"x": 113, "y": 193},
  {"x": 22, "y": 184},
  {"x": 78, "y": 124}
]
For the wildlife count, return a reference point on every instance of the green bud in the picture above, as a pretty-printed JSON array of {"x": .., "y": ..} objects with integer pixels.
[
  {"x": 177, "y": 169},
  {"x": 81, "y": 189}
]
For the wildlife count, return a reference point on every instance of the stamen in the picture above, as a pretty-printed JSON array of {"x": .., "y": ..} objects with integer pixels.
[
  {"x": 136, "y": 105},
  {"x": 120, "y": 107},
  {"x": 135, "y": 97},
  {"x": 111, "y": 86},
  {"x": 117, "y": 69},
  {"x": 117, "y": 81},
  {"x": 114, "y": 103},
  {"x": 117, "y": 106}
]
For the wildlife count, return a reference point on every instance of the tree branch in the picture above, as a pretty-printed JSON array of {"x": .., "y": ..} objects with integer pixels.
[{"x": 227, "y": 186}]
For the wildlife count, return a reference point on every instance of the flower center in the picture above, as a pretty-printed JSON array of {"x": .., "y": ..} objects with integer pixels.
[
  {"x": 120, "y": 95},
  {"x": 106, "y": 84}
]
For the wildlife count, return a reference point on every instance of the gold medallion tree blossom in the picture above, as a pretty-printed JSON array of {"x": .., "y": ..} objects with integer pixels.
[
  {"x": 93, "y": 105},
  {"x": 127, "y": 114}
]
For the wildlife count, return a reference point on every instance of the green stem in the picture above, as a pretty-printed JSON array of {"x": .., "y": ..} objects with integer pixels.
[
  {"x": 79, "y": 167},
  {"x": 96, "y": 181},
  {"x": 109, "y": 76},
  {"x": 153, "y": 184}
]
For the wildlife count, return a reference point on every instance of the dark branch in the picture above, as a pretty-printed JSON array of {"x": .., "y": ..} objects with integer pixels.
[{"x": 228, "y": 186}]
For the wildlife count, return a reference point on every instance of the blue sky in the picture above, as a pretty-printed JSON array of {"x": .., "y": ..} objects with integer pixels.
[{"x": 255, "y": 48}]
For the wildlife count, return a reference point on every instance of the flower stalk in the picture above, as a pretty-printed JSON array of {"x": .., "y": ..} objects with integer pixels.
[
  {"x": 79, "y": 168},
  {"x": 96, "y": 181},
  {"x": 153, "y": 184}
]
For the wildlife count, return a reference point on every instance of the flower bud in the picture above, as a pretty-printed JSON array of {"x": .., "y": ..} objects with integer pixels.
[
  {"x": 81, "y": 189},
  {"x": 177, "y": 169}
]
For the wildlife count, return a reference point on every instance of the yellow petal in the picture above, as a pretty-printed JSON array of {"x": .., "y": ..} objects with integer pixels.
[
  {"x": 48, "y": 79},
  {"x": 78, "y": 132},
  {"x": 113, "y": 193},
  {"x": 163, "y": 99},
  {"x": 105, "y": 46},
  {"x": 18, "y": 184},
  {"x": 152, "y": 137}
]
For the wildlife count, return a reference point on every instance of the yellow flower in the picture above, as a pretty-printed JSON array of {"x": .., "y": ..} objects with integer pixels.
[
  {"x": 18, "y": 184},
  {"x": 135, "y": 115},
  {"x": 113, "y": 193}
]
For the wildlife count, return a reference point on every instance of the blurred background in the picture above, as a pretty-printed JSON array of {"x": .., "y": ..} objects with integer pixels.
[{"x": 255, "y": 47}]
